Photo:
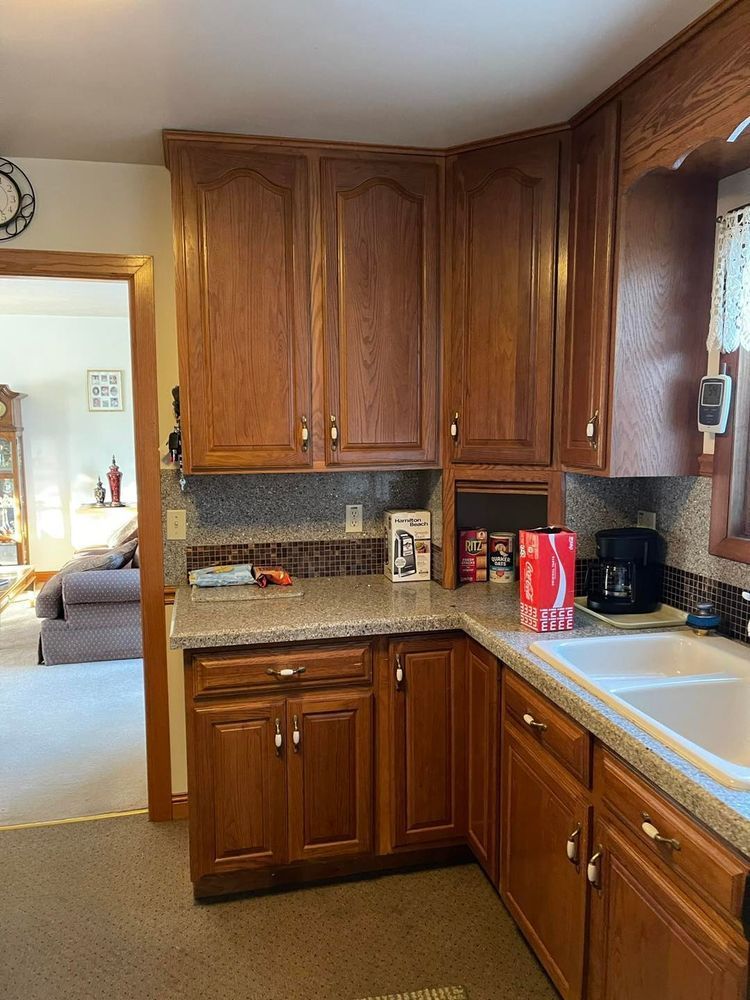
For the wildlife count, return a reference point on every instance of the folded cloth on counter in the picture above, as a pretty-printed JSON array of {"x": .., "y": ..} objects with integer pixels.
[
  {"x": 224, "y": 576},
  {"x": 241, "y": 575}
]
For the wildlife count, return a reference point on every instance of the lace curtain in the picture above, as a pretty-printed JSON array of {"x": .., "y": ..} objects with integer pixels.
[{"x": 730, "y": 298}]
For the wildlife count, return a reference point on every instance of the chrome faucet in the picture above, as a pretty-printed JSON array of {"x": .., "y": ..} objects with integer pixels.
[{"x": 703, "y": 620}]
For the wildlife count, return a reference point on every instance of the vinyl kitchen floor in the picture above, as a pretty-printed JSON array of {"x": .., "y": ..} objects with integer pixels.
[{"x": 104, "y": 909}]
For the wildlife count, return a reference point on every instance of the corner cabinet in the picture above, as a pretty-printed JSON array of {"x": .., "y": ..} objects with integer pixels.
[
  {"x": 502, "y": 300},
  {"x": 381, "y": 260},
  {"x": 308, "y": 305},
  {"x": 242, "y": 245}
]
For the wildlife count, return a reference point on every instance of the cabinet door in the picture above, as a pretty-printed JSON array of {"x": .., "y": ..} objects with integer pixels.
[
  {"x": 503, "y": 264},
  {"x": 545, "y": 890},
  {"x": 381, "y": 234},
  {"x": 237, "y": 787},
  {"x": 583, "y": 411},
  {"x": 483, "y": 786},
  {"x": 428, "y": 748},
  {"x": 330, "y": 776},
  {"x": 243, "y": 266},
  {"x": 648, "y": 940}
]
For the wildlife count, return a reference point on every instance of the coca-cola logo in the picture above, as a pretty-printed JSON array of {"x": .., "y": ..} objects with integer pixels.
[{"x": 528, "y": 582}]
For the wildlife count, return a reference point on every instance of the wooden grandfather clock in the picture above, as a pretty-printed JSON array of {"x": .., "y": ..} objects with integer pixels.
[{"x": 14, "y": 533}]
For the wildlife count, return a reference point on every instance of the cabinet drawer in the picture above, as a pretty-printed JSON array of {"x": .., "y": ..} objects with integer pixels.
[
  {"x": 274, "y": 668},
  {"x": 563, "y": 738},
  {"x": 703, "y": 862}
]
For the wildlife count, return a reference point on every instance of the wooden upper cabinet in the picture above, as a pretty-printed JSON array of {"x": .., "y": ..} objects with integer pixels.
[
  {"x": 381, "y": 244},
  {"x": 583, "y": 413},
  {"x": 502, "y": 269},
  {"x": 243, "y": 299}
]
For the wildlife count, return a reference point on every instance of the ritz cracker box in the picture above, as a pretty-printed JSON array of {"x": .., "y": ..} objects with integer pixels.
[
  {"x": 407, "y": 540},
  {"x": 547, "y": 575}
]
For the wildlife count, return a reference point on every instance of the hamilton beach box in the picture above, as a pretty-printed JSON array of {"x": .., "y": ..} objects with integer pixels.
[
  {"x": 407, "y": 540},
  {"x": 547, "y": 573}
]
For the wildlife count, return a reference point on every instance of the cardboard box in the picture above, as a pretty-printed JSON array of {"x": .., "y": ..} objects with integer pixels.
[
  {"x": 547, "y": 572},
  {"x": 407, "y": 539},
  {"x": 472, "y": 555}
]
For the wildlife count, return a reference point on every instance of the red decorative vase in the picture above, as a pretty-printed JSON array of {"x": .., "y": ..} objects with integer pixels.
[{"x": 115, "y": 478}]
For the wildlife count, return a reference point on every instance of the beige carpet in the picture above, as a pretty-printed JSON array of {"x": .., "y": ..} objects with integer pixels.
[
  {"x": 100, "y": 910},
  {"x": 19, "y": 634},
  {"x": 72, "y": 738}
]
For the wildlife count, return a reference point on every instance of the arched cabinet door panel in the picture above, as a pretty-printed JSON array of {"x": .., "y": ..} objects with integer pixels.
[
  {"x": 502, "y": 301},
  {"x": 243, "y": 267},
  {"x": 381, "y": 240}
]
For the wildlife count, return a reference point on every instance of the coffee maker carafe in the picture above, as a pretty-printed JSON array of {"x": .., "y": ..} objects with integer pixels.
[{"x": 627, "y": 579}]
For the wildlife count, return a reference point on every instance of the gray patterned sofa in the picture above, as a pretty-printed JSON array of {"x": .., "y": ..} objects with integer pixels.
[{"x": 91, "y": 609}]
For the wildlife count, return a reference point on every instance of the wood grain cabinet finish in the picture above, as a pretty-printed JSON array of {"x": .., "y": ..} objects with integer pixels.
[
  {"x": 330, "y": 755},
  {"x": 381, "y": 240},
  {"x": 543, "y": 812},
  {"x": 583, "y": 414},
  {"x": 502, "y": 248},
  {"x": 428, "y": 733},
  {"x": 243, "y": 300},
  {"x": 649, "y": 940},
  {"x": 482, "y": 754},
  {"x": 237, "y": 787}
]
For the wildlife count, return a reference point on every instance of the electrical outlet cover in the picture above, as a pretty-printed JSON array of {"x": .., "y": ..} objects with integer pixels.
[
  {"x": 353, "y": 518},
  {"x": 647, "y": 519}
]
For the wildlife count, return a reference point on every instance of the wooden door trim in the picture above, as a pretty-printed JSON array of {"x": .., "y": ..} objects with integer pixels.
[{"x": 138, "y": 272}]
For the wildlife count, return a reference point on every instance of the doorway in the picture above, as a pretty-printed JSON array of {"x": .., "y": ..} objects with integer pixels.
[{"x": 134, "y": 278}]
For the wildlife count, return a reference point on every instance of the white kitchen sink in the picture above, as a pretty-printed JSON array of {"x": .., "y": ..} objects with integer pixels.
[{"x": 691, "y": 692}]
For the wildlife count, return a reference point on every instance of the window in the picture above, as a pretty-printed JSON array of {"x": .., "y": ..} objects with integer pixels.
[{"x": 730, "y": 500}]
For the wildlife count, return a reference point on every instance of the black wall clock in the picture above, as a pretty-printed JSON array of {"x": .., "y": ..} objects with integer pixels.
[{"x": 17, "y": 200}]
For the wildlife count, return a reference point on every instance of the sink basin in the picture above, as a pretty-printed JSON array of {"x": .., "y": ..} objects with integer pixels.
[{"x": 691, "y": 692}]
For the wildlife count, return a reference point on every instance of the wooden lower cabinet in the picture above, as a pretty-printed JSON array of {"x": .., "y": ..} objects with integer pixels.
[
  {"x": 237, "y": 787},
  {"x": 648, "y": 940},
  {"x": 482, "y": 756},
  {"x": 291, "y": 787},
  {"x": 544, "y": 834},
  {"x": 330, "y": 776},
  {"x": 428, "y": 763}
]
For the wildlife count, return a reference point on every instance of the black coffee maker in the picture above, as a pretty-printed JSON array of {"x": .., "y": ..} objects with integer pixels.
[{"x": 627, "y": 579}]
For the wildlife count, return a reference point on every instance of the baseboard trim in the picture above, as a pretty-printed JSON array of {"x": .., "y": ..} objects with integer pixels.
[
  {"x": 74, "y": 819},
  {"x": 180, "y": 806}
]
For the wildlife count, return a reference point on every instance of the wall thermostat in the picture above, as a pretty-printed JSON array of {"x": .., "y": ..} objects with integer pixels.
[{"x": 713, "y": 403}]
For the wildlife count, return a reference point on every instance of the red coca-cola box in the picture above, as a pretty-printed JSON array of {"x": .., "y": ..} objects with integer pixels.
[{"x": 547, "y": 574}]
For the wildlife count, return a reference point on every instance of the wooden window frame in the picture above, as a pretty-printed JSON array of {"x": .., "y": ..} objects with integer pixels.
[{"x": 731, "y": 459}]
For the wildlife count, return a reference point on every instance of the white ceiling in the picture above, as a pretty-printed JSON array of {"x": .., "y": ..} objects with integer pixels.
[
  {"x": 99, "y": 79},
  {"x": 62, "y": 297}
]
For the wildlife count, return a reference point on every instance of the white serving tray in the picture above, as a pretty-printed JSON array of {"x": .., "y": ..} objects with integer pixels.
[{"x": 665, "y": 616}]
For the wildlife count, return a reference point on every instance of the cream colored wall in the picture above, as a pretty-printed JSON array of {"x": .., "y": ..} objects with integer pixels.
[{"x": 119, "y": 208}]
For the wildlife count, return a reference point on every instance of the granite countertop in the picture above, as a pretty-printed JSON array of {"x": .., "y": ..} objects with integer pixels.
[{"x": 336, "y": 607}]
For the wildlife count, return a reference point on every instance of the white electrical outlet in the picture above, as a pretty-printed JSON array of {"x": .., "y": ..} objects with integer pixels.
[
  {"x": 353, "y": 517},
  {"x": 647, "y": 519},
  {"x": 176, "y": 525}
]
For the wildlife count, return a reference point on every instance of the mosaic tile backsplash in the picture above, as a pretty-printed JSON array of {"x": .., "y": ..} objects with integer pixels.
[{"x": 683, "y": 589}]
